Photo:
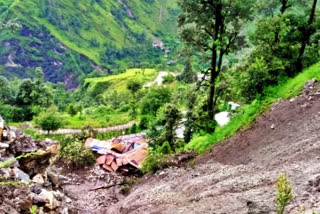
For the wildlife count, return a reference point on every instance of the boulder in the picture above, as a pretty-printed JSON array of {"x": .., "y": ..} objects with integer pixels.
[
  {"x": 38, "y": 179},
  {"x": 21, "y": 175}
]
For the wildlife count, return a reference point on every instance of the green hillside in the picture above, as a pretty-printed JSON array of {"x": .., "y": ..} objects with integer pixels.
[{"x": 70, "y": 39}]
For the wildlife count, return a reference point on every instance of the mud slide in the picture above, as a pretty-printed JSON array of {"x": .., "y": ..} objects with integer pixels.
[{"x": 239, "y": 175}]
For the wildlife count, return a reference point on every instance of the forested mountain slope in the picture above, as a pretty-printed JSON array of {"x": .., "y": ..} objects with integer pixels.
[{"x": 70, "y": 39}]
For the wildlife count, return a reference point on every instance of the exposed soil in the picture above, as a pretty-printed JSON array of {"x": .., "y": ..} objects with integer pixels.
[{"x": 239, "y": 175}]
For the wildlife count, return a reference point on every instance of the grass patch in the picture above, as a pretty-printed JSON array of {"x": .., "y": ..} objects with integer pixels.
[
  {"x": 13, "y": 183},
  {"x": 7, "y": 163},
  {"x": 248, "y": 113},
  {"x": 119, "y": 82}
]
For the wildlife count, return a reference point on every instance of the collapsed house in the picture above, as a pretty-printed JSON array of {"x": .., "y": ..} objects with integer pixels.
[{"x": 122, "y": 154}]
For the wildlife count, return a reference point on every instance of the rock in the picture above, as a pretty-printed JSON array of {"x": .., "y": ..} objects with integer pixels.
[
  {"x": 53, "y": 174},
  {"x": 4, "y": 145},
  {"x": 59, "y": 195},
  {"x": 52, "y": 201},
  {"x": 22, "y": 176},
  {"x": 272, "y": 126},
  {"x": 25, "y": 205},
  {"x": 255, "y": 208},
  {"x": 35, "y": 189},
  {"x": 38, "y": 179},
  {"x": 36, "y": 199}
]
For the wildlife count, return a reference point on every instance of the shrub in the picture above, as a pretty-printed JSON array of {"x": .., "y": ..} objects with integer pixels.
[
  {"x": 284, "y": 193},
  {"x": 144, "y": 122},
  {"x": 134, "y": 129},
  {"x": 165, "y": 149},
  {"x": 124, "y": 108},
  {"x": 49, "y": 122},
  {"x": 154, "y": 162},
  {"x": 75, "y": 153},
  {"x": 154, "y": 99},
  {"x": 72, "y": 111},
  {"x": 168, "y": 79}
]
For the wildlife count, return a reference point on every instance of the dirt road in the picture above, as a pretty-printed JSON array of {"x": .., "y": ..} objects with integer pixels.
[{"x": 100, "y": 130}]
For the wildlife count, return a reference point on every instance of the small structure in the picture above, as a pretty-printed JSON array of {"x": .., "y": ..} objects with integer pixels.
[
  {"x": 121, "y": 154},
  {"x": 233, "y": 106},
  {"x": 222, "y": 118}
]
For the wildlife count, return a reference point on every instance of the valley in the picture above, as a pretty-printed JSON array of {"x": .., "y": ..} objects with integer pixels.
[{"x": 158, "y": 106}]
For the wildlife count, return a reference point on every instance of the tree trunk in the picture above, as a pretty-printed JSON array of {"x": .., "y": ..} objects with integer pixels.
[
  {"x": 212, "y": 83},
  {"x": 213, "y": 77},
  {"x": 284, "y": 6},
  {"x": 306, "y": 37}
]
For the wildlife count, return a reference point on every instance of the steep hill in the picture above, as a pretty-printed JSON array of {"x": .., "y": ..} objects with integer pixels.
[
  {"x": 70, "y": 39},
  {"x": 239, "y": 175}
]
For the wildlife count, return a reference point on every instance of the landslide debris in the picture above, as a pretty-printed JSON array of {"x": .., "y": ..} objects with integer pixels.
[{"x": 239, "y": 174}]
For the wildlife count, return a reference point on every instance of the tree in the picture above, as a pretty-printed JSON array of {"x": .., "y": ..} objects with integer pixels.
[
  {"x": 134, "y": 86},
  {"x": 307, "y": 32},
  {"x": 24, "y": 97},
  {"x": 5, "y": 91},
  {"x": 213, "y": 29},
  {"x": 188, "y": 75},
  {"x": 155, "y": 98},
  {"x": 49, "y": 122},
  {"x": 164, "y": 126},
  {"x": 72, "y": 111}
]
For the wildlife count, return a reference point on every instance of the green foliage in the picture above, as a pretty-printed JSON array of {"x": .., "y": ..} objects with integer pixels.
[
  {"x": 144, "y": 122},
  {"x": 8, "y": 163},
  {"x": 13, "y": 183},
  {"x": 134, "y": 129},
  {"x": 187, "y": 75},
  {"x": 33, "y": 209},
  {"x": 75, "y": 153},
  {"x": 154, "y": 99},
  {"x": 248, "y": 113},
  {"x": 164, "y": 149},
  {"x": 49, "y": 121},
  {"x": 168, "y": 79},
  {"x": 163, "y": 129},
  {"x": 284, "y": 193},
  {"x": 134, "y": 86},
  {"x": 72, "y": 111},
  {"x": 75, "y": 39},
  {"x": 154, "y": 162}
]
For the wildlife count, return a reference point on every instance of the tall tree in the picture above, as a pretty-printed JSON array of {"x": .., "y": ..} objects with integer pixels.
[
  {"x": 213, "y": 28},
  {"x": 307, "y": 32}
]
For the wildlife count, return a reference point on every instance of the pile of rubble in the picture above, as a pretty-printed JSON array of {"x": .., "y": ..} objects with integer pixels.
[
  {"x": 14, "y": 142},
  {"x": 23, "y": 178},
  {"x": 122, "y": 154}
]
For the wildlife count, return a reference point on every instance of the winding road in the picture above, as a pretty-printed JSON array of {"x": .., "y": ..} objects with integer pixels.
[{"x": 77, "y": 131}]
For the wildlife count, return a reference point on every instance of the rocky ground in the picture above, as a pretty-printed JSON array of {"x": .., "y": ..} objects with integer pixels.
[{"x": 236, "y": 176}]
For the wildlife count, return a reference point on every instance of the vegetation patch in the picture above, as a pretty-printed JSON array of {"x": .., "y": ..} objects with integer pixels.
[{"x": 248, "y": 113}]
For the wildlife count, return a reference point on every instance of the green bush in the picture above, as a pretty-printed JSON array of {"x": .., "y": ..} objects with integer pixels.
[
  {"x": 284, "y": 193},
  {"x": 164, "y": 149},
  {"x": 124, "y": 108},
  {"x": 168, "y": 79},
  {"x": 155, "y": 162},
  {"x": 144, "y": 122},
  {"x": 155, "y": 98},
  {"x": 75, "y": 153},
  {"x": 49, "y": 121}
]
